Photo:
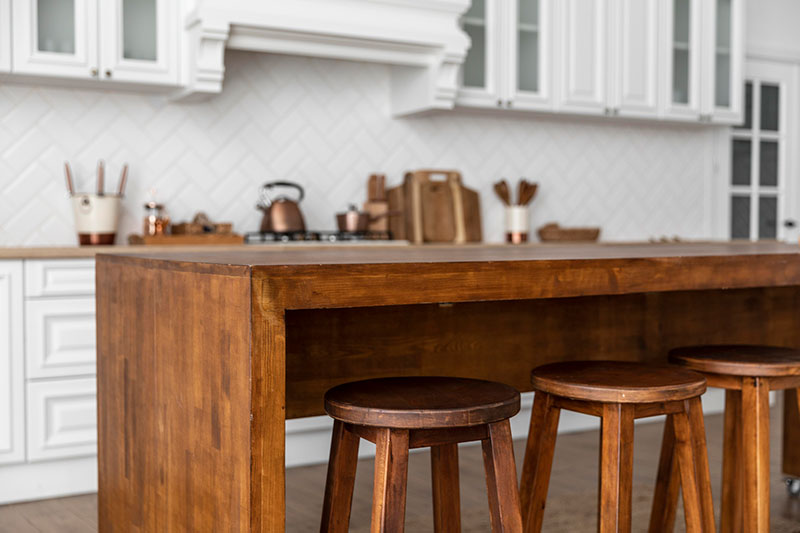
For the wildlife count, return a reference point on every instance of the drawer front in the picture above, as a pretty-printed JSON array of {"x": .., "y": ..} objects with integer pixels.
[
  {"x": 60, "y": 337},
  {"x": 59, "y": 277},
  {"x": 62, "y": 419}
]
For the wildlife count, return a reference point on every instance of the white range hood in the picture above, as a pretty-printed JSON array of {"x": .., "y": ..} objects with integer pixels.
[{"x": 421, "y": 39}]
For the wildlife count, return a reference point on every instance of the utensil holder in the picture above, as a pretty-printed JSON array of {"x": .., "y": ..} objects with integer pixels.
[
  {"x": 517, "y": 224},
  {"x": 96, "y": 218}
]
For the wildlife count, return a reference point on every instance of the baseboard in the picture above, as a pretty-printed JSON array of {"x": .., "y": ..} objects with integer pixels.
[
  {"x": 308, "y": 439},
  {"x": 48, "y": 479}
]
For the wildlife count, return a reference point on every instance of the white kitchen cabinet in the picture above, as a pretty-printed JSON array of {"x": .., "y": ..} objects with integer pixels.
[
  {"x": 481, "y": 73},
  {"x": 62, "y": 419},
  {"x": 132, "y": 41},
  {"x": 530, "y": 54},
  {"x": 722, "y": 61},
  {"x": 582, "y": 56},
  {"x": 60, "y": 337},
  {"x": 681, "y": 25},
  {"x": 12, "y": 377},
  {"x": 59, "y": 277},
  {"x": 5, "y": 36},
  {"x": 139, "y": 41}
]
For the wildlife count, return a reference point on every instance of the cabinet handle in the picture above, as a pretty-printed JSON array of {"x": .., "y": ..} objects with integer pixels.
[
  {"x": 108, "y": 73},
  {"x": 93, "y": 72}
]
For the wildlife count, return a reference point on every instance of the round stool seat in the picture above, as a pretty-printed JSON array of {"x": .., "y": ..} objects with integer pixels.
[
  {"x": 618, "y": 382},
  {"x": 739, "y": 360},
  {"x": 421, "y": 402}
]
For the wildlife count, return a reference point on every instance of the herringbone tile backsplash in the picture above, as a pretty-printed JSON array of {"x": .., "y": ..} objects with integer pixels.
[{"x": 326, "y": 124}]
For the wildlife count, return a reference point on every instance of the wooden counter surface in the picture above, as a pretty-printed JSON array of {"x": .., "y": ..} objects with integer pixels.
[{"x": 202, "y": 356}]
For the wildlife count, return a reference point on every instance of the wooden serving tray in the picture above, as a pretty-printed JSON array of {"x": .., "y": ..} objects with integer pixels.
[{"x": 204, "y": 238}]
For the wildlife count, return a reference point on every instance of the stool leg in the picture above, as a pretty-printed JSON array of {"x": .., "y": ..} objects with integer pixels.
[
  {"x": 538, "y": 461},
  {"x": 686, "y": 465},
  {"x": 446, "y": 499},
  {"x": 731, "y": 512},
  {"x": 665, "y": 499},
  {"x": 391, "y": 474},
  {"x": 501, "y": 479},
  {"x": 755, "y": 452},
  {"x": 616, "y": 468},
  {"x": 698, "y": 428},
  {"x": 341, "y": 479}
]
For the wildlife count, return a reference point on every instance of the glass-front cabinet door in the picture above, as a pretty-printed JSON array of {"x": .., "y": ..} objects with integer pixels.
[
  {"x": 137, "y": 43},
  {"x": 681, "y": 54},
  {"x": 480, "y": 73},
  {"x": 529, "y": 51},
  {"x": 55, "y": 37},
  {"x": 722, "y": 61}
]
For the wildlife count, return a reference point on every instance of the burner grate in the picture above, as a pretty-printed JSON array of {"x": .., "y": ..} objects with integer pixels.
[{"x": 256, "y": 237}]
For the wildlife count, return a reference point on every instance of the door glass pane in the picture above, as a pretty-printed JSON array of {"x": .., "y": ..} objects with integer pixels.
[
  {"x": 748, "y": 107},
  {"x": 770, "y": 107},
  {"x": 139, "y": 29},
  {"x": 740, "y": 217},
  {"x": 680, "y": 52},
  {"x": 528, "y": 46},
  {"x": 768, "y": 164},
  {"x": 767, "y": 217},
  {"x": 55, "y": 26},
  {"x": 741, "y": 162},
  {"x": 723, "y": 54},
  {"x": 474, "y": 23}
]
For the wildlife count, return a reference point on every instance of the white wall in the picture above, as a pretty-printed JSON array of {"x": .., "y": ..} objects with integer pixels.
[
  {"x": 326, "y": 124},
  {"x": 772, "y": 26}
]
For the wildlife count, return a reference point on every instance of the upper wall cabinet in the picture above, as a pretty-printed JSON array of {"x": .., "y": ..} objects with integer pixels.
[
  {"x": 723, "y": 53},
  {"x": 134, "y": 43},
  {"x": 5, "y": 35}
]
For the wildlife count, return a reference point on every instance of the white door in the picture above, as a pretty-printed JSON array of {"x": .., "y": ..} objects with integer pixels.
[
  {"x": 633, "y": 57},
  {"x": 55, "y": 38},
  {"x": 5, "y": 35},
  {"x": 139, "y": 41},
  {"x": 582, "y": 56},
  {"x": 12, "y": 377},
  {"x": 481, "y": 83},
  {"x": 529, "y": 44},
  {"x": 722, "y": 61},
  {"x": 680, "y": 31},
  {"x": 762, "y": 191}
]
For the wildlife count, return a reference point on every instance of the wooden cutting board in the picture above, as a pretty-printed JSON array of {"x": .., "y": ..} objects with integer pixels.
[{"x": 205, "y": 238}]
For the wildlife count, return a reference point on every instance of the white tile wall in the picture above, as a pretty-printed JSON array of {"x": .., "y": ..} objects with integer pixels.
[{"x": 326, "y": 124}]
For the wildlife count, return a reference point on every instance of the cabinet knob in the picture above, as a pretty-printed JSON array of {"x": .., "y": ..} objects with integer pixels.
[
  {"x": 509, "y": 103},
  {"x": 499, "y": 103},
  {"x": 93, "y": 72},
  {"x": 108, "y": 73}
]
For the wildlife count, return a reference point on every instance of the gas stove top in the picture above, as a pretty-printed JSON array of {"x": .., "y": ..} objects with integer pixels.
[{"x": 271, "y": 237}]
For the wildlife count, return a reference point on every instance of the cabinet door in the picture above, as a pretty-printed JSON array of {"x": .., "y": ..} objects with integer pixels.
[
  {"x": 633, "y": 57},
  {"x": 139, "y": 41},
  {"x": 481, "y": 83},
  {"x": 582, "y": 56},
  {"x": 12, "y": 377},
  {"x": 62, "y": 419},
  {"x": 5, "y": 35},
  {"x": 55, "y": 37},
  {"x": 529, "y": 44},
  {"x": 723, "y": 58},
  {"x": 60, "y": 337},
  {"x": 680, "y": 59}
]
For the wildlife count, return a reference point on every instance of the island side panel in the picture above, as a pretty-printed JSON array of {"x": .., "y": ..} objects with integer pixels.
[
  {"x": 791, "y": 433},
  {"x": 268, "y": 428},
  {"x": 173, "y": 391}
]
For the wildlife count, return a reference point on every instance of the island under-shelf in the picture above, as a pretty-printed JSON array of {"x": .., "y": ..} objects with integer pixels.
[{"x": 202, "y": 356}]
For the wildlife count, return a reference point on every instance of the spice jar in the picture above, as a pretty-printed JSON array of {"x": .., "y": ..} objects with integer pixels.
[{"x": 156, "y": 221}]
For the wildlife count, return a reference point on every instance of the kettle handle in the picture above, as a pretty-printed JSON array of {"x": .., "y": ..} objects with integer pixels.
[{"x": 267, "y": 186}]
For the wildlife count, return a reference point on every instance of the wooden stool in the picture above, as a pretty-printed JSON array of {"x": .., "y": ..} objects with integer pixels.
[
  {"x": 747, "y": 373},
  {"x": 619, "y": 393},
  {"x": 401, "y": 413}
]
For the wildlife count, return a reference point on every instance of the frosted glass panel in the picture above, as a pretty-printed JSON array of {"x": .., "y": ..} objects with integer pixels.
[
  {"x": 723, "y": 23},
  {"x": 528, "y": 63},
  {"x": 55, "y": 26},
  {"x": 768, "y": 164},
  {"x": 741, "y": 162},
  {"x": 767, "y": 217},
  {"x": 770, "y": 107},
  {"x": 529, "y": 12},
  {"x": 681, "y": 22},
  {"x": 740, "y": 217},
  {"x": 477, "y": 10},
  {"x": 139, "y": 29},
  {"x": 680, "y": 76},
  {"x": 475, "y": 63},
  {"x": 722, "y": 96},
  {"x": 748, "y": 107}
]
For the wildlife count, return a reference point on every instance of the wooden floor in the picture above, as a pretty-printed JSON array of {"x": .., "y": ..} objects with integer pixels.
[{"x": 574, "y": 482}]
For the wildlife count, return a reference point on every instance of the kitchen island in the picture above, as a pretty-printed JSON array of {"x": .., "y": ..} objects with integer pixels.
[{"x": 203, "y": 356}]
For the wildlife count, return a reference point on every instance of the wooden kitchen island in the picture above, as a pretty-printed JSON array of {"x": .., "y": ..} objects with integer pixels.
[{"x": 202, "y": 356}]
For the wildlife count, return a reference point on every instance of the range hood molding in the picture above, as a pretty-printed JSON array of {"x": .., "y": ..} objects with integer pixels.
[{"x": 420, "y": 39}]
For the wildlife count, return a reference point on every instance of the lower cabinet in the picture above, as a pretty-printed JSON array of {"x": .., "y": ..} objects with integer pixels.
[{"x": 12, "y": 377}]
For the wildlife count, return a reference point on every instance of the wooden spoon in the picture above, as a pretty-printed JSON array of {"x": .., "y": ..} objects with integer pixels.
[{"x": 501, "y": 188}]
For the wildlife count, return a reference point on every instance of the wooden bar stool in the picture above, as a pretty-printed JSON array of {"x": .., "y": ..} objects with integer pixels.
[
  {"x": 401, "y": 413},
  {"x": 619, "y": 393},
  {"x": 747, "y": 373}
]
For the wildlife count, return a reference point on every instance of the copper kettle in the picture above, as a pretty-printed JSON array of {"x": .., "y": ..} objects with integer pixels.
[{"x": 281, "y": 213}]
